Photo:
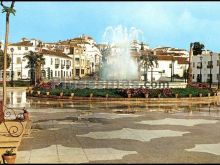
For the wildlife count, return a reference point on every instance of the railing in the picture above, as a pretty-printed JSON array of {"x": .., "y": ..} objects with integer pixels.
[
  {"x": 67, "y": 66},
  {"x": 209, "y": 66},
  {"x": 16, "y": 128},
  {"x": 57, "y": 66}
]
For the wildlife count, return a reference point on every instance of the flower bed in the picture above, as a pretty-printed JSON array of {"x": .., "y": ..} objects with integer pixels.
[{"x": 125, "y": 93}]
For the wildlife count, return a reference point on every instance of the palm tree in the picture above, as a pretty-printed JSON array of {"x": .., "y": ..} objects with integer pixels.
[
  {"x": 147, "y": 60},
  {"x": 35, "y": 61},
  {"x": 2, "y": 60},
  {"x": 8, "y": 11}
]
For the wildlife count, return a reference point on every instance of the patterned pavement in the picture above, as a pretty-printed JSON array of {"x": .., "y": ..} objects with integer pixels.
[{"x": 97, "y": 134}]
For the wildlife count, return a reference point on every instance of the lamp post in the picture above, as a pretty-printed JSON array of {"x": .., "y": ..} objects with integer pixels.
[
  {"x": 173, "y": 67},
  {"x": 210, "y": 81},
  {"x": 12, "y": 72},
  {"x": 200, "y": 76},
  {"x": 218, "y": 71}
]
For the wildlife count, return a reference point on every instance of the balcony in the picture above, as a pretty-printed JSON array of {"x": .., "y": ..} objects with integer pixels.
[
  {"x": 62, "y": 66},
  {"x": 199, "y": 67},
  {"x": 67, "y": 66},
  {"x": 209, "y": 66},
  {"x": 57, "y": 66}
]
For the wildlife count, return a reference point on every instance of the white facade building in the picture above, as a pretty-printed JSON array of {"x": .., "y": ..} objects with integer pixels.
[
  {"x": 162, "y": 71},
  {"x": 57, "y": 63},
  {"x": 201, "y": 67}
]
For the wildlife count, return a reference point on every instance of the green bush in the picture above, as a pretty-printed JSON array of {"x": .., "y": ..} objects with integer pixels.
[{"x": 114, "y": 93}]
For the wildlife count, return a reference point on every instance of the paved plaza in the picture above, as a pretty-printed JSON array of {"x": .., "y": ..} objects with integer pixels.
[{"x": 65, "y": 132}]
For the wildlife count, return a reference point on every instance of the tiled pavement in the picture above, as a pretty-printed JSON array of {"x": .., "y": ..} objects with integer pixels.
[{"x": 100, "y": 135}]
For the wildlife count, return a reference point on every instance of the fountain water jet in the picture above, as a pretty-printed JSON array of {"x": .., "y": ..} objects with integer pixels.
[{"x": 119, "y": 64}]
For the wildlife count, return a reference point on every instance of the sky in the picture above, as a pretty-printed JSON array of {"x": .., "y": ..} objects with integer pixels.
[{"x": 173, "y": 24}]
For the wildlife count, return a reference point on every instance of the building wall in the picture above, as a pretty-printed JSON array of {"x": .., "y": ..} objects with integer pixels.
[
  {"x": 205, "y": 71},
  {"x": 163, "y": 70}
]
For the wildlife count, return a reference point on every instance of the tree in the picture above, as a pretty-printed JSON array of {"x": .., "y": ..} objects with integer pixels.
[
  {"x": 147, "y": 60},
  {"x": 8, "y": 11},
  {"x": 197, "y": 48},
  {"x": 35, "y": 61},
  {"x": 2, "y": 60}
]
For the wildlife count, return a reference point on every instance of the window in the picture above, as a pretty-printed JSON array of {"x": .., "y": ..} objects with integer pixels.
[
  {"x": 210, "y": 64},
  {"x": 26, "y": 48},
  {"x": 71, "y": 50},
  {"x": 58, "y": 73},
  {"x": 193, "y": 64},
  {"x": 19, "y": 48},
  {"x": 82, "y": 71},
  {"x": 19, "y": 74},
  {"x": 18, "y": 60},
  {"x": 51, "y": 61},
  {"x": 217, "y": 62},
  {"x": 217, "y": 77},
  {"x": 193, "y": 76},
  {"x": 55, "y": 73}
]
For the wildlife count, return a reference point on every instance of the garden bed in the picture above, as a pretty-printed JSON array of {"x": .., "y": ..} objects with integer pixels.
[{"x": 122, "y": 93}]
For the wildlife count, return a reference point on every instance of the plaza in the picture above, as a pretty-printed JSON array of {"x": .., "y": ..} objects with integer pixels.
[
  {"x": 98, "y": 83},
  {"x": 114, "y": 132}
]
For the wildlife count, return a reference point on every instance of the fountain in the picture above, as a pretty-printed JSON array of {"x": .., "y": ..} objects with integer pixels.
[{"x": 119, "y": 64}]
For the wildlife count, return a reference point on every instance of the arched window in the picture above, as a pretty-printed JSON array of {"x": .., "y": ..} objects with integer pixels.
[{"x": 43, "y": 73}]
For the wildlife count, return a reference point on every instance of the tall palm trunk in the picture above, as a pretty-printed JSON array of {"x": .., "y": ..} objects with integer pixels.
[
  {"x": 190, "y": 64},
  {"x": 5, "y": 60},
  {"x": 5, "y": 9}
]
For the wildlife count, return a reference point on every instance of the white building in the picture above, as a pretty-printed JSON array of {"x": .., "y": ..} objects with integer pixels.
[
  {"x": 201, "y": 65},
  {"x": 19, "y": 63},
  {"x": 162, "y": 71},
  {"x": 57, "y": 63},
  {"x": 169, "y": 50}
]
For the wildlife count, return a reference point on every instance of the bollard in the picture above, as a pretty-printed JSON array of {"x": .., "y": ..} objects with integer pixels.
[
  {"x": 61, "y": 94},
  {"x": 129, "y": 95},
  {"x": 159, "y": 95},
  {"x": 146, "y": 95},
  {"x": 38, "y": 92},
  {"x": 91, "y": 95},
  {"x": 208, "y": 94},
  {"x": 200, "y": 95},
  {"x": 72, "y": 94},
  {"x": 190, "y": 95},
  {"x": 176, "y": 95}
]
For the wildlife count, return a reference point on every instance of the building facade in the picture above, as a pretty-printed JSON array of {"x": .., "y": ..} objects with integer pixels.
[{"x": 205, "y": 67}]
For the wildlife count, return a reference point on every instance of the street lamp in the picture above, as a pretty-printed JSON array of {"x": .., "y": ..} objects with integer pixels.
[
  {"x": 12, "y": 72},
  {"x": 218, "y": 71},
  {"x": 172, "y": 69},
  {"x": 200, "y": 76},
  {"x": 210, "y": 82},
  {"x": 173, "y": 66}
]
